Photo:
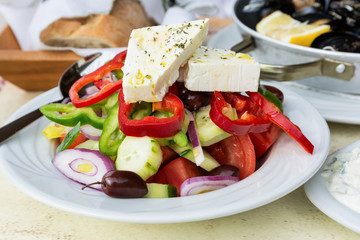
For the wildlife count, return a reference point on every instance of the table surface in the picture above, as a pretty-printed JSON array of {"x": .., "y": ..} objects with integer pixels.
[{"x": 290, "y": 217}]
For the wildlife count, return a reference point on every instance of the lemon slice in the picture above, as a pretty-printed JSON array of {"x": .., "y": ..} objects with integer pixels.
[
  {"x": 281, "y": 26},
  {"x": 275, "y": 20}
]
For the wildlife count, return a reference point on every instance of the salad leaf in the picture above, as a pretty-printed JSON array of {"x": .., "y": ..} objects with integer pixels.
[{"x": 69, "y": 138}]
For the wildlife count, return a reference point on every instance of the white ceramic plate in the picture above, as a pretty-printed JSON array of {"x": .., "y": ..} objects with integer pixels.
[
  {"x": 335, "y": 107},
  {"x": 26, "y": 161},
  {"x": 317, "y": 191}
]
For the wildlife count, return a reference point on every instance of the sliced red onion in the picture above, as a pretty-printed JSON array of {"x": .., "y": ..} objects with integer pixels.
[
  {"x": 195, "y": 142},
  {"x": 109, "y": 76},
  {"x": 90, "y": 91},
  {"x": 83, "y": 165},
  {"x": 90, "y": 132},
  {"x": 66, "y": 101},
  {"x": 203, "y": 184},
  {"x": 190, "y": 114}
]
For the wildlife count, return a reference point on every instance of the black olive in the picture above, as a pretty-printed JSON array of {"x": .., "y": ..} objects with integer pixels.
[
  {"x": 122, "y": 184},
  {"x": 193, "y": 100},
  {"x": 277, "y": 92}
]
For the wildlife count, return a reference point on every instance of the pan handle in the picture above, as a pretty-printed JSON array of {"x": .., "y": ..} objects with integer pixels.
[{"x": 322, "y": 67}]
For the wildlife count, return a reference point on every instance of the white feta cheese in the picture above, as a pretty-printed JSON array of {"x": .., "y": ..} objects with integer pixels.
[
  {"x": 212, "y": 69},
  {"x": 155, "y": 55}
]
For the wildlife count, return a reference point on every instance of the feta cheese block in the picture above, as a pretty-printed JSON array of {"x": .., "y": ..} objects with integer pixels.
[
  {"x": 155, "y": 55},
  {"x": 211, "y": 69}
]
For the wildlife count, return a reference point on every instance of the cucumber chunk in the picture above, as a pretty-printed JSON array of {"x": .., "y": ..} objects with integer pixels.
[
  {"x": 89, "y": 144},
  {"x": 141, "y": 155},
  {"x": 158, "y": 190},
  {"x": 208, "y": 132},
  {"x": 209, "y": 162}
]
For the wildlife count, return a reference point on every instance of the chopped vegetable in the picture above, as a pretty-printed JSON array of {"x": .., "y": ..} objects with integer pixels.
[
  {"x": 150, "y": 125},
  {"x": 203, "y": 184},
  {"x": 107, "y": 88},
  {"x": 83, "y": 165},
  {"x": 54, "y": 130},
  {"x": 69, "y": 138},
  {"x": 176, "y": 172},
  {"x": 238, "y": 151},
  {"x": 251, "y": 118},
  {"x": 69, "y": 115},
  {"x": 141, "y": 155},
  {"x": 90, "y": 132},
  {"x": 121, "y": 184},
  {"x": 277, "y": 117},
  {"x": 195, "y": 142},
  {"x": 111, "y": 136}
]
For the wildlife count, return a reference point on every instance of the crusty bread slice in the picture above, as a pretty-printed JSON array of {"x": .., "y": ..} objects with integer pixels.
[{"x": 97, "y": 31}]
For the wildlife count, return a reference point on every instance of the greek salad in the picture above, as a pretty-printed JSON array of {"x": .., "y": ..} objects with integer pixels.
[{"x": 168, "y": 141}]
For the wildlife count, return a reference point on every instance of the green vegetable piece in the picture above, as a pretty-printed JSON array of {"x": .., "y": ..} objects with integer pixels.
[
  {"x": 209, "y": 132},
  {"x": 69, "y": 138},
  {"x": 141, "y": 110},
  {"x": 187, "y": 152},
  {"x": 110, "y": 102},
  {"x": 89, "y": 144},
  {"x": 141, "y": 155},
  {"x": 158, "y": 190},
  {"x": 118, "y": 73},
  {"x": 271, "y": 97},
  {"x": 111, "y": 136},
  {"x": 69, "y": 115},
  {"x": 181, "y": 139}
]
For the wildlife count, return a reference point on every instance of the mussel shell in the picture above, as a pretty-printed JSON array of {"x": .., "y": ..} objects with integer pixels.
[{"x": 338, "y": 41}]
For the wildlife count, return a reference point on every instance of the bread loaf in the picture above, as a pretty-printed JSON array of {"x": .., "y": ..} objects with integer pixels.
[{"x": 98, "y": 31}]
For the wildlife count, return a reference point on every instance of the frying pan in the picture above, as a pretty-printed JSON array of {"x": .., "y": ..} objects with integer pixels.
[{"x": 281, "y": 61}]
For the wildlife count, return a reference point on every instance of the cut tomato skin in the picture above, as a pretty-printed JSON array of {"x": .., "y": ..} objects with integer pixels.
[
  {"x": 176, "y": 172},
  {"x": 277, "y": 117},
  {"x": 168, "y": 154},
  {"x": 79, "y": 139},
  {"x": 263, "y": 141},
  {"x": 238, "y": 151}
]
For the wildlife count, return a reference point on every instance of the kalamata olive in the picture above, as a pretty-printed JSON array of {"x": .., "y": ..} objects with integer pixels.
[
  {"x": 193, "y": 100},
  {"x": 122, "y": 184},
  {"x": 277, "y": 92},
  {"x": 225, "y": 170}
]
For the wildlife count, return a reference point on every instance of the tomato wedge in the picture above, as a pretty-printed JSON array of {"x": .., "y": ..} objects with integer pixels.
[
  {"x": 277, "y": 117},
  {"x": 176, "y": 172},
  {"x": 238, "y": 151},
  {"x": 168, "y": 154},
  {"x": 263, "y": 141}
]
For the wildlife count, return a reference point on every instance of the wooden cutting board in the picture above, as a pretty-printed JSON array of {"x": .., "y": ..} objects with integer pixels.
[{"x": 31, "y": 70}]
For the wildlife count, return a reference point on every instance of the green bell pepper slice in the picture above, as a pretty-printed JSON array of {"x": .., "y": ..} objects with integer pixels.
[
  {"x": 69, "y": 115},
  {"x": 111, "y": 136}
]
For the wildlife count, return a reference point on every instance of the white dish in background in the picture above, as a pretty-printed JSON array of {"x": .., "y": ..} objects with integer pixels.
[
  {"x": 317, "y": 191},
  {"x": 26, "y": 161},
  {"x": 335, "y": 107}
]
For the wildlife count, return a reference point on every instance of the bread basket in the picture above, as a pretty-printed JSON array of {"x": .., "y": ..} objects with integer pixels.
[{"x": 281, "y": 61}]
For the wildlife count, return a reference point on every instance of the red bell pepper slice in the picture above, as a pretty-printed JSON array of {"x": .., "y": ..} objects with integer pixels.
[
  {"x": 107, "y": 88},
  {"x": 150, "y": 125},
  {"x": 277, "y": 117},
  {"x": 251, "y": 118}
]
